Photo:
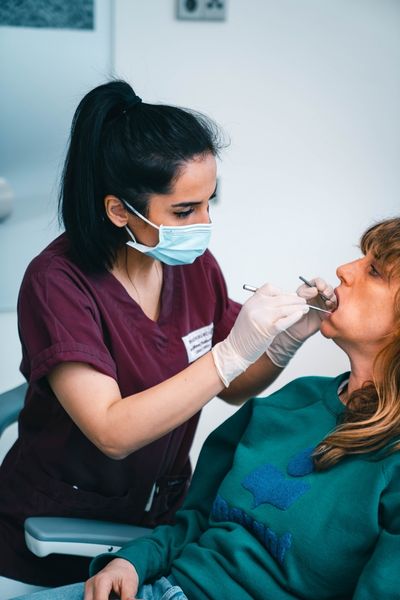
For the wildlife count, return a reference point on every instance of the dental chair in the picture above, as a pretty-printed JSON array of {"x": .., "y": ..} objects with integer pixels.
[{"x": 63, "y": 535}]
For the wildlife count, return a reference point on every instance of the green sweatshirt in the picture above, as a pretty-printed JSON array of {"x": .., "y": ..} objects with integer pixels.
[{"x": 260, "y": 524}]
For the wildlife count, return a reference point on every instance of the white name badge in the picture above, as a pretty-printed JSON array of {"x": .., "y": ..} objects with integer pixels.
[{"x": 198, "y": 342}]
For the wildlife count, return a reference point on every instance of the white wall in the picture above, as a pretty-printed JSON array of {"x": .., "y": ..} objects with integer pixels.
[
  {"x": 44, "y": 73},
  {"x": 309, "y": 93}
]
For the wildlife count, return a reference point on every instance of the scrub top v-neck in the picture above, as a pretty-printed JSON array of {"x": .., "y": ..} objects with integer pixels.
[{"x": 165, "y": 298}]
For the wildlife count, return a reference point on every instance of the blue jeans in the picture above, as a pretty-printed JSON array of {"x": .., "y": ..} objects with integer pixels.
[{"x": 162, "y": 589}]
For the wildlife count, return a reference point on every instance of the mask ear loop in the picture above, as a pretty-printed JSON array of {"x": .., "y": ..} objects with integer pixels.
[
  {"x": 139, "y": 215},
  {"x": 130, "y": 233}
]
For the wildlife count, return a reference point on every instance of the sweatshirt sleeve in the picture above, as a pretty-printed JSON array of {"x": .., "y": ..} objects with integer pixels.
[
  {"x": 380, "y": 576},
  {"x": 153, "y": 555}
]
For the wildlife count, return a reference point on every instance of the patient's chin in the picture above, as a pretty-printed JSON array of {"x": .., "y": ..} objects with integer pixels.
[
  {"x": 327, "y": 334},
  {"x": 327, "y": 330}
]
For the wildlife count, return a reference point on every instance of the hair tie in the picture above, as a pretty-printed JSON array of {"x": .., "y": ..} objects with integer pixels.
[{"x": 137, "y": 100}]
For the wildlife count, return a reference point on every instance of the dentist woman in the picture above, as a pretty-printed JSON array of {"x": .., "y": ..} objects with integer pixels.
[{"x": 127, "y": 330}]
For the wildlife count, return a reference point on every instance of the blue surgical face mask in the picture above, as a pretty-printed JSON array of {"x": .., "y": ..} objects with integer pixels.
[{"x": 177, "y": 245}]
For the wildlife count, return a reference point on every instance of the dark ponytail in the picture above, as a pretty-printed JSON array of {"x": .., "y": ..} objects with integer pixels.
[{"x": 122, "y": 146}]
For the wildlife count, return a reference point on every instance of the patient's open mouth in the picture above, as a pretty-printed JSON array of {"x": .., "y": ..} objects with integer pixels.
[{"x": 337, "y": 300}]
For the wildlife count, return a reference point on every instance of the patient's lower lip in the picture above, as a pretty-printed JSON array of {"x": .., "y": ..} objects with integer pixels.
[{"x": 337, "y": 297}]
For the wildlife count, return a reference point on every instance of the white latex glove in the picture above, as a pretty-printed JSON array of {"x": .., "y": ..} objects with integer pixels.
[
  {"x": 268, "y": 312},
  {"x": 286, "y": 344}
]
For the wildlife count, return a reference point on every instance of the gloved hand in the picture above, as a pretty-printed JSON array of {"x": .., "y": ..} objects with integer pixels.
[
  {"x": 268, "y": 312},
  {"x": 286, "y": 344}
]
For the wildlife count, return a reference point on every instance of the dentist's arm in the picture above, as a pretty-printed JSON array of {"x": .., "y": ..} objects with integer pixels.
[{"x": 119, "y": 426}]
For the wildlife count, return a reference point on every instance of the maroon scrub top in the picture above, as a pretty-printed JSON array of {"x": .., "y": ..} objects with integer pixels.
[{"x": 65, "y": 315}]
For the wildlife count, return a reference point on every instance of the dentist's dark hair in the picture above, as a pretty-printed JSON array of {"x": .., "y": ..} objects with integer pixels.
[{"x": 127, "y": 148}]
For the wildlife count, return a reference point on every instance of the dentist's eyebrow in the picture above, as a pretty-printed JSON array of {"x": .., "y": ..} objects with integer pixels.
[
  {"x": 194, "y": 202},
  {"x": 187, "y": 203}
]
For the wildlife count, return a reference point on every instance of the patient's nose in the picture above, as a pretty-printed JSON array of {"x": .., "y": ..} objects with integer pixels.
[{"x": 346, "y": 272}]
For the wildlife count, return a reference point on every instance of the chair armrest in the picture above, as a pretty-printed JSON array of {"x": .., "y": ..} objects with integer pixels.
[
  {"x": 81, "y": 537},
  {"x": 11, "y": 403}
]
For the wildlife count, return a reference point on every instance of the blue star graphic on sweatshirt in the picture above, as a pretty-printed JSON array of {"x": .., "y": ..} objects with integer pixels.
[
  {"x": 301, "y": 464},
  {"x": 269, "y": 485}
]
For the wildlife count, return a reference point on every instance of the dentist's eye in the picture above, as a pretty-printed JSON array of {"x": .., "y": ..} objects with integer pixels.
[{"x": 184, "y": 214}]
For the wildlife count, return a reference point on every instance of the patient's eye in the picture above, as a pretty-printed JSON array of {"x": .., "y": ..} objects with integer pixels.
[{"x": 373, "y": 271}]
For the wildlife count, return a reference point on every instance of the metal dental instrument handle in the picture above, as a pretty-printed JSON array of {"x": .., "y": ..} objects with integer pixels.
[
  {"x": 320, "y": 309},
  {"x": 251, "y": 288},
  {"x": 311, "y": 285}
]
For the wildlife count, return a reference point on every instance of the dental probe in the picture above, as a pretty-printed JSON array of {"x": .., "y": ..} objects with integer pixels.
[
  {"x": 251, "y": 288},
  {"x": 311, "y": 285}
]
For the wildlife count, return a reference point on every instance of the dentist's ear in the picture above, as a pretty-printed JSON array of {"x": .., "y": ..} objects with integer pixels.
[{"x": 116, "y": 211}]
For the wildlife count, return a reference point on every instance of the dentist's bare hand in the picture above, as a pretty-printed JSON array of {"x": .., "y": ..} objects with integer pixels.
[
  {"x": 119, "y": 576},
  {"x": 265, "y": 314}
]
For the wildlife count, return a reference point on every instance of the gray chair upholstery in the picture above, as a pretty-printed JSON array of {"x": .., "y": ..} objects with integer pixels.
[{"x": 11, "y": 403}]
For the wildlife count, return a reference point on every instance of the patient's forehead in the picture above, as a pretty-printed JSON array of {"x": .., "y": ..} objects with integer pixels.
[{"x": 382, "y": 242}]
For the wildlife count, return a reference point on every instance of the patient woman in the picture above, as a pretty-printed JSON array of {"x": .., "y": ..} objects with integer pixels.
[{"x": 298, "y": 494}]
